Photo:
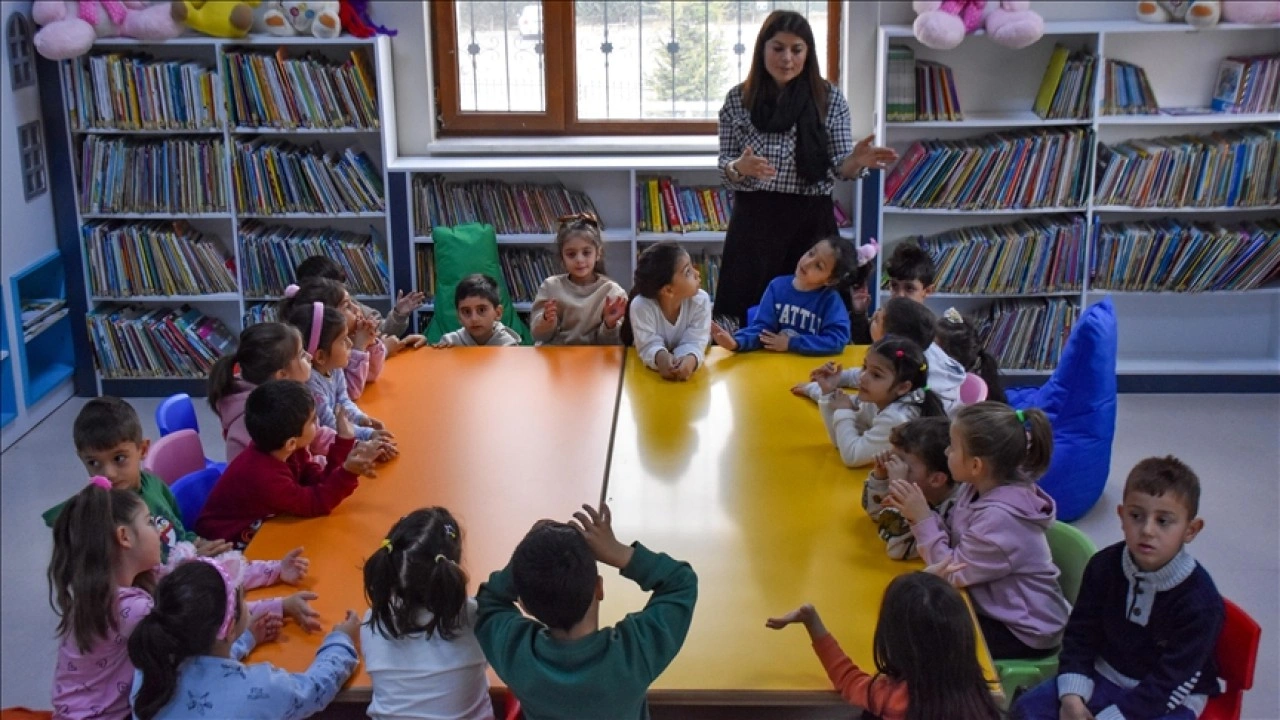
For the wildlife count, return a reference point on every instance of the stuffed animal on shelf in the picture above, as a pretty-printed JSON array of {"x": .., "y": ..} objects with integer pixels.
[
  {"x": 354, "y": 15},
  {"x": 217, "y": 18},
  {"x": 69, "y": 29},
  {"x": 1196, "y": 13},
  {"x": 1252, "y": 12},
  {"x": 943, "y": 24},
  {"x": 286, "y": 18}
]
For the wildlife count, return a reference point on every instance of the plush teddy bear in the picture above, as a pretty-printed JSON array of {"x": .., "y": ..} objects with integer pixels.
[
  {"x": 296, "y": 17},
  {"x": 1196, "y": 13},
  {"x": 218, "y": 18},
  {"x": 941, "y": 25},
  {"x": 1253, "y": 12},
  {"x": 69, "y": 29}
]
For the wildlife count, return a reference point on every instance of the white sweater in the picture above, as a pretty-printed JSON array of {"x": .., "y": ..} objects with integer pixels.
[
  {"x": 945, "y": 377},
  {"x": 502, "y": 336},
  {"x": 862, "y": 433},
  {"x": 579, "y": 313},
  {"x": 689, "y": 334}
]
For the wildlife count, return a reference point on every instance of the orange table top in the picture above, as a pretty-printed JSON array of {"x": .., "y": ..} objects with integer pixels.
[{"x": 501, "y": 436}]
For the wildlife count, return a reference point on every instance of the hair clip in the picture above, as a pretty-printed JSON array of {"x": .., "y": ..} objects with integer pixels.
[
  {"x": 924, "y": 367},
  {"x": 898, "y": 353},
  {"x": 1022, "y": 418},
  {"x": 450, "y": 532},
  {"x": 441, "y": 558},
  {"x": 386, "y": 545},
  {"x": 585, "y": 217},
  {"x": 291, "y": 290},
  {"x": 100, "y": 481},
  {"x": 953, "y": 315},
  {"x": 867, "y": 252}
]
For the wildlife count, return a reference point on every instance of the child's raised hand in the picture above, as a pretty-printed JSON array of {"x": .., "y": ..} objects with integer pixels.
[
  {"x": 296, "y": 606},
  {"x": 362, "y": 457},
  {"x": 723, "y": 337},
  {"x": 407, "y": 303},
  {"x": 342, "y": 423},
  {"x": 824, "y": 370},
  {"x": 908, "y": 498},
  {"x": 350, "y": 625},
  {"x": 896, "y": 468},
  {"x": 828, "y": 377},
  {"x": 265, "y": 628},
  {"x": 374, "y": 423},
  {"x": 210, "y": 548},
  {"x": 550, "y": 319},
  {"x": 777, "y": 342},
  {"x": 293, "y": 567},
  {"x": 614, "y": 308},
  {"x": 879, "y": 469},
  {"x": 365, "y": 334},
  {"x": 596, "y": 527},
  {"x": 947, "y": 570},
  {"x": 841, "y": 401}
]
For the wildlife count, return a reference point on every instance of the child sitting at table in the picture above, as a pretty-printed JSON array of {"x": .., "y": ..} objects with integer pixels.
[
  {"x": 668, "y": 314},
  {"x": 926, "y": 655},
  {"x": 560, "y": 664},
  {"x": 418, "y": 637},
  {"x": 919, "y": 456},
  {"x": 582, "y": 306},
  {"x": 367, "y": 355},
  {"x": 958, "y": 338},
  {"x": 390, "y": 327},
  {"x": 479, "y": 308}
]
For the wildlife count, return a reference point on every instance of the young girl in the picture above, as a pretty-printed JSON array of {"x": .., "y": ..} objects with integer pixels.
[
  {"x": 803, "y": 312},
  {"x": 390, "y": 327},
  {"x": 368, "y": 353},
  {"x": 925, "y": 653},
  {"x": 958, "y": 338},
  {"x": 892, "y": 389},
  {"x": 997, "y": 527},
  {"x": 669, "y": 316},
  {"x": 188, "y": 666},
  {"x": 583, "y": 306},
  {"x": 418, "y": 637},
  {"x": 267, "y": 351}
]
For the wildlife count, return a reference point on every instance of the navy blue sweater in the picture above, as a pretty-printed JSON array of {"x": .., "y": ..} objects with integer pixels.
[
  {"x": 1153, "y": 633},
  {"x": 816, "y": 320}
]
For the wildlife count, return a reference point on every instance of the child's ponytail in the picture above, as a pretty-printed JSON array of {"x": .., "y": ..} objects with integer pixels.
[
  {"x": 418, "y": 567},
  {"x": 988, "y": 368},
  {"x": 264, "y": 349},
  {"x": 909, "y": 365},
  {"x": 655, "y": 267},
  {"x": 190, "y": 608},
  {"x": 85, "y": 553},
  {"x": 958, "y": 337},
  {"x": 1017, "y": 444},
  {"x": 1039, "y": 441}
]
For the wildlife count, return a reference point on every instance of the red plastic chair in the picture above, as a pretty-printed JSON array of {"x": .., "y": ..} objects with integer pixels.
[
  {"x": 1237, "y": 655},
  {"x": 177, "y": 454},
  {"x": 513, "y": 708}
]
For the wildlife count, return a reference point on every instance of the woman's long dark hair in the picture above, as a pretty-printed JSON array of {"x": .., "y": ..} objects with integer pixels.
[
  {"x": 190, "y": 603},
  {"x": 418, "y": 568},
  {"x": 925, "y": 638},
  {"x": 759, "y": 86},
  {"x": 655, "y": 267}
]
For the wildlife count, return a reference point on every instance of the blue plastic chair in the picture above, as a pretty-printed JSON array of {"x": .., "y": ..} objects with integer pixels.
[
  {"x": 176, "y": 413},
  {"x": 191, "y": 491}
]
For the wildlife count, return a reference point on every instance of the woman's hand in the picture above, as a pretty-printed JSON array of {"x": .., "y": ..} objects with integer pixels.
[
  {"x": 866, "y": 155},
  {"x": 754, "y": 166}
]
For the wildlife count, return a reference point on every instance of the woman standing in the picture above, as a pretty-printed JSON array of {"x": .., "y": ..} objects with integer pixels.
[{"x": 784, "y": 139}]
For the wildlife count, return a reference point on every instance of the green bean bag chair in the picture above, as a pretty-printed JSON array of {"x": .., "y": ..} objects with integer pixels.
[{"x": 460, "y": 251}]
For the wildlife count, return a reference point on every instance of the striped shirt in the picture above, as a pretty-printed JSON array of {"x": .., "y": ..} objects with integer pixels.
[{"x": 737, "y": 132}]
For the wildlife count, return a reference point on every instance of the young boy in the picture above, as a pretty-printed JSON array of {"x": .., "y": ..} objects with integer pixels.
[
  {"x": 911, "y": 272},
  {"x": 562, "y": 665},
  {"x": 479, "y": 307},
  {"x": 275, "y": 474},
  {"x": 1140, "y": 641},
  {"x": 390, "y": 327},
  {"x": 108, "y": 438},
  {"x": 919, "y": 456},
  {"x": 911, "y": 320}
]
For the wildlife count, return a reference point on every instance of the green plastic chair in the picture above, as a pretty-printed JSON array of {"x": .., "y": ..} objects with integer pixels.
[{"x": 1071, "y": 550}]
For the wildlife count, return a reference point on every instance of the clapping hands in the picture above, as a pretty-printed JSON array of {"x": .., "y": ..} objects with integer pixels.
[{"x": 614, "y": 308}]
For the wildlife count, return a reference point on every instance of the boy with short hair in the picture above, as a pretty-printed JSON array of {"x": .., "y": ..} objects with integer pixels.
[
  {"x": 919, "y": 456},
  {"x": 1140, "y": 642},
  {"x": 561, "y": 664},
  {"x": 275, "y": 473},
  {"x": 479, "y": 306},
  {"x": 911, "y": 272}
]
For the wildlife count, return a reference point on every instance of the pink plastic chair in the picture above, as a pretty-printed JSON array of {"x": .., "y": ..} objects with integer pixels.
[
  {"x": 973, "y": 389},
  {"x": 174, "y": 455}
]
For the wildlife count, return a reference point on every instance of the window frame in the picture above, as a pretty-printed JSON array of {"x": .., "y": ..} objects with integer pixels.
[
  {"x": 35, "y": 168},
  {"x": 21, "y": 52},
  {"x": 560, "y": 116}
]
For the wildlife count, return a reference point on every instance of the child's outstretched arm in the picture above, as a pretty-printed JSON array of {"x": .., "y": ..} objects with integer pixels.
[
  {"x": 748, "y": 338},
  {"x": 834, "y": 335},
  {"x": 813, "y": 390},
  {"x": 307, "y": 693}
]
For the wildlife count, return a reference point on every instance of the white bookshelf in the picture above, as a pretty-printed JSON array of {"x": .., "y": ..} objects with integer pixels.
[
  {"x": 225, "y": 225},
  {"x": 1161, "y": 333}
]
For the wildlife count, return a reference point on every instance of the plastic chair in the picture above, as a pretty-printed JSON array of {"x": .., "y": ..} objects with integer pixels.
[
  {"x": 191, "y": 491},
  {"x": 1237, "y": 656},
  {"x": 513, "y": 708},
  {"x": 174, "y": 455},
  {"x": 973, "y": 389},
  {"x": 176, "y": 413},
  {"x": 1071, "y": 550}
]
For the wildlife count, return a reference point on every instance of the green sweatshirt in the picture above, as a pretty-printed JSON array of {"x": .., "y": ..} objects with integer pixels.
[
  {"x": 603, "y": 675},
  {"x": 162, "y": 505}
]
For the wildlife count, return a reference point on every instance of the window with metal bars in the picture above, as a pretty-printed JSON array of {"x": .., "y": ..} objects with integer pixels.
[
  {"x": 31, "y": 149},
  {"x": 22, "y": 70}
]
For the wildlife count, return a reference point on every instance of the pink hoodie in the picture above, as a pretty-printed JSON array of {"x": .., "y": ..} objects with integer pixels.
[
  {"x": 1009, "y": 572},
  {"x": 231, "y": 412}
]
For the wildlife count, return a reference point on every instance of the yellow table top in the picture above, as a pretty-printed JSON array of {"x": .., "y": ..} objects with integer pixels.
[{"x": 733, "y": 474}]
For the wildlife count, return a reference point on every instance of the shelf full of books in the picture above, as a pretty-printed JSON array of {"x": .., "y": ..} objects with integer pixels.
[{"x": 261, "y": 158}]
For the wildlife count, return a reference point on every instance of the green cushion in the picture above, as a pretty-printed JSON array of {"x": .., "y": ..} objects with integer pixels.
[{"x": 460, "y": 251}]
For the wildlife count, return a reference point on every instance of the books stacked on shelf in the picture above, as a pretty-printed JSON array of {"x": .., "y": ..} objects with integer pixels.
[
  {"x": 134, "y": 92},
  {"x": 936, "y": 96},
  {"x": 525, "y": 269},
  {"x": 127, "y": 175},
  {"x": 127, "y": 259},
  {"x": 708, "y": 265},
  {"x": 900, "y": 92},
  {"x": 1232, "y": 168},
  {"x": 512, "y": 208},
  {"x": 260, "y": 313},
  {"x": 274, "y": 178},
  {"x": 1126, "y": 90},
  {"x": 1066, "y": 92},
  {"x": 424, "y": 258},
  {"x": 1007, "y": 170},
  {"x": 40, "y": 314},
  {"x": 1248, "y": 85},
  {"x": 135, "y": 342},
  {"x": 1034, "y": 255},
  {"x": 268, "y": 255},
  {"x": 1028, "y": 334},
  {"x": 269, "y": 90},
  {"x": 1172, "y": 255},
  {"x": 663, "y": 205}
]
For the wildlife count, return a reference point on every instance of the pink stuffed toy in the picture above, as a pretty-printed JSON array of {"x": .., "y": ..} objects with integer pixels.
[
  {"x": 1253, "y": 12},
  {"x": 942, "y": 25},
  {"x": 69, "y": 29}
]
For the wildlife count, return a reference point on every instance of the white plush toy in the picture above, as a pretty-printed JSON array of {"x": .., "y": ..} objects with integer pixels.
[
  {"x": 1196, "y": 13},
  {"x": 297, "y": 17}
]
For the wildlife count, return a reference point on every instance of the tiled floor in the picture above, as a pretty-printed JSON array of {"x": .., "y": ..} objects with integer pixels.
[{"x": 1232, "y": 441}]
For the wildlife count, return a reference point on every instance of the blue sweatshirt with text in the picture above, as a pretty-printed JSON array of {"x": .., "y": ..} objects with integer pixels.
[{"x": 816, "y": 320}]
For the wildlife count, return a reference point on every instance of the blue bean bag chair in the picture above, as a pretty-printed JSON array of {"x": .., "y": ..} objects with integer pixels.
[{"x": 1080, "y": 400}]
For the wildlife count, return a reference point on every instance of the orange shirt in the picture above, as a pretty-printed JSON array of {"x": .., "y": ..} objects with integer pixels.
[{"x": 883, "y": 696}]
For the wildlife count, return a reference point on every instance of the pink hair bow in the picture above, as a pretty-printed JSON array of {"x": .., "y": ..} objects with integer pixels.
[
  {"x": 867, "y": 252},
  {"x": 100, "y": 481}
]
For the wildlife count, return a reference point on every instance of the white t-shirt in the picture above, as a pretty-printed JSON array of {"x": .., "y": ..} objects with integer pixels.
[
  {"x": 427, "y": 679},
  {"x": 689, "y": 334}
]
